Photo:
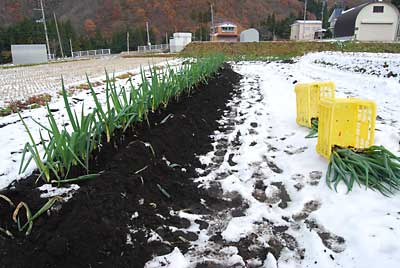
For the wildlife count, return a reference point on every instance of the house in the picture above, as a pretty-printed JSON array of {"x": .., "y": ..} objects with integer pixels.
[
  {"x": 224, "y": 32},
  {"x": 333, "y": 18},
  {"x": 373, "y": 21},
  {"x": 305, "y": 29}
]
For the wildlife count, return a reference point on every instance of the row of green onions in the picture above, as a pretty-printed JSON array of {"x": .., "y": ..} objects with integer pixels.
[{"x": 125, "y": 106}]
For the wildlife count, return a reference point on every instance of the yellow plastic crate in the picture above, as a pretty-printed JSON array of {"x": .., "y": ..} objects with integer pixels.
[
  {"x": 345, "y": 123},
  {"x": 308, "y": 96}
]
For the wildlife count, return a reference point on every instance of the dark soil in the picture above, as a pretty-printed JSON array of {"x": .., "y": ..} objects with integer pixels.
[{"x": 90, "y": 230}]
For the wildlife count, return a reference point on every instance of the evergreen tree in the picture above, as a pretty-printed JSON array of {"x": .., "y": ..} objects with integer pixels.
[{"x": 396, "y": 3}]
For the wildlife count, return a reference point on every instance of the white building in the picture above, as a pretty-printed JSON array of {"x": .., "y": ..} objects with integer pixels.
[
  {"x": 29, "y": 54},
  {"x": 250, "y": 35},
  {"x": 376, "y": 21},
  {"x": 305, "y": 29},
  {"x": 179, "y": 41}
]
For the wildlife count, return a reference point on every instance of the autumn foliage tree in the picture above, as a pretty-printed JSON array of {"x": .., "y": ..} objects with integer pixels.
[{"x": 90, "y": 27}]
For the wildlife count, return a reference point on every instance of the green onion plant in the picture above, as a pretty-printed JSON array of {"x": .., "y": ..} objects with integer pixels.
[
  {"x": 375, "y": 168},
  {"x": 314, "y": 129}
]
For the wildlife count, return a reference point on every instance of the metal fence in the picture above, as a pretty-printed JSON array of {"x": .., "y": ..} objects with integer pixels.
[
  {"x": 153, "y": 48},
  {"x": 88, "y": 53}
]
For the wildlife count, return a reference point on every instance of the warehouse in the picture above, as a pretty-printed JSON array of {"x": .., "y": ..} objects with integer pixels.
[{"x": 376, "y": 21}]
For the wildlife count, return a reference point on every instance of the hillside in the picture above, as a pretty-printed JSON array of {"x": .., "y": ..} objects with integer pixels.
[{"x": 163, "y": 15}]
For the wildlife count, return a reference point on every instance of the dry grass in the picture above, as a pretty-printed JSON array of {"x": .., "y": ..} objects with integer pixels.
[
  {"x": 32, "y": 102},
  {"x": 283, "y": 49},
  {"x": 82, "y": 87},
  {"x": 125, "y": 75}
]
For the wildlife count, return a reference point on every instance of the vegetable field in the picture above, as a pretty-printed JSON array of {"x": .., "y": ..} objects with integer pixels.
[{"x": 197, "y": 163}]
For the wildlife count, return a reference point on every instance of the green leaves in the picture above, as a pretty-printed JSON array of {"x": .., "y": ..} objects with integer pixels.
[
  {"x": 122, "y": 109},
  {"x": 314, "y": 129},
  {"x": 62, "y": 149},
  {"x": 375, "y": 167},
  {"x": 28, "y": 214}
]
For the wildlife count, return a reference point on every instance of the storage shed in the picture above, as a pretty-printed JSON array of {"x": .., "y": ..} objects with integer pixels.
[
  {"x": 250, "y": 35},
  {"x": 374, "y": 21},
  {"x": 29, "y": 54}
]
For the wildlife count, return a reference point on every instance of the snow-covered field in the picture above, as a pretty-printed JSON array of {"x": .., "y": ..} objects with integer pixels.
[
  {"x": 22, "y": 82},
  {"x": 286, "y": 215},
  {"x": 262, "y": 158},
  {"x": 378, "y": 64}
]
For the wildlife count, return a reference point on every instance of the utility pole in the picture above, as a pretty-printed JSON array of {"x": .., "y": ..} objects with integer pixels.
[
  {"x": 322, "y": 12},
  {"x": 127, "y": 42},
  {"x": 72, "y": 51},
  {"x": 212, "y": 22},
  {"x": 148, "y": 35},
  {"x": 166, "y": 38},
  {"x": 305, "y": 17},
  {"x": 45, "y": 28},
  {"x": 58, "y": 34}
]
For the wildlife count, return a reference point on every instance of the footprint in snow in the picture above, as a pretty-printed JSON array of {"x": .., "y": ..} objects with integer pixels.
[
  {"x": 295, "y": 151},
  {"x": 330, "y": 240},
  {"x": 308, "y": 208},
  {"x": 299, "y": 178},
  {"x": 314, "y": 177},
  {"x": 253, "y": 124},
  {"x": 272, "y": 165}
]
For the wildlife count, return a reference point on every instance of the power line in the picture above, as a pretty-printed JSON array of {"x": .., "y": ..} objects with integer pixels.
[
  {"x": 45, "y": 27},
  {"x": 58, "y": 35}
]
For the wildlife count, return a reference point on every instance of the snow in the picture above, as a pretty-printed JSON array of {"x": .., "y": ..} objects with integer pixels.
[
  {"x": 276, "y": 171},
  {"x": 321, "y": 227},
  {"x": 270, "y": 262},
  {"x": 379, "y": 64},
  {"x": 173, "y": 260},
  {"x": 14, "y": 137},
  {"x": 48, "y": 191}
]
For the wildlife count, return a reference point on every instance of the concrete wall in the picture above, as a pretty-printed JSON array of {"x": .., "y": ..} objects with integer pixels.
[
  {"x": 250, "y": 35},
  {"x": 295, "y": 31},
  {"x": 304, "y": 31},
  {"x": 372, "y": 26},
  {"x": 179, "y": 42},
  {"x": 29, "y": 54}
]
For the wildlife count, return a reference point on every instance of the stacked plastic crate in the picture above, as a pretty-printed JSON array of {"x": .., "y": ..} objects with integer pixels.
[{"x": 348, "y": 123}]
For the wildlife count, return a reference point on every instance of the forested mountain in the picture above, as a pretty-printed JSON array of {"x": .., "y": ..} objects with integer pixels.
[
  {"x": 163, "y": 15},
  {"x": 94, "y": 24}
]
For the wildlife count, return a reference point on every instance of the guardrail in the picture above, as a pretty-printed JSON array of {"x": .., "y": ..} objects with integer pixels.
[
  {"x": 153, "y": 48},
  {"x": 88, "y": 53}
]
